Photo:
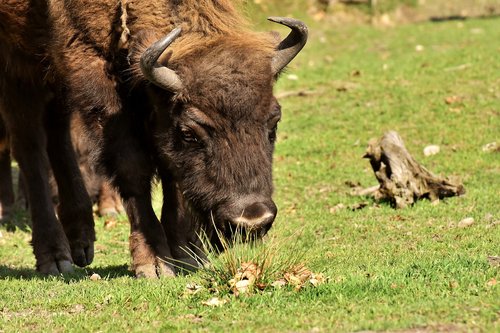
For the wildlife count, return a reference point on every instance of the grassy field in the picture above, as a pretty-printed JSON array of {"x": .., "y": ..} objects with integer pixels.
[{"x": 434, "y": 83}]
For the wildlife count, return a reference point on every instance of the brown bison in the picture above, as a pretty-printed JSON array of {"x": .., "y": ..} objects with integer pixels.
[
  {"x": 100, "y": 191},
  {"x": 181, "y": 89}
]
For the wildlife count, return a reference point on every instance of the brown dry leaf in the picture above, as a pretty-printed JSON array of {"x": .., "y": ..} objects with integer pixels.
[
  {"x": 317, "y": 279},
  {"x": 453, "y": 99},
  {"x": 298, "y": 276},
  {"x": 494, "y": 261},
  {"x": 192, "y": 289},
  {"x": 192, "y": 318},
  {"x": 110, "y": 223},
  {"x": 245, "y": 277},
  {"x": 466, "y": 222},
  {"x": 491, "y": 147},
  {"x": 215, "y": 301},
  {"x": 493, "y": 224},
  {"x": 337, "y": 208},
  {"x": 279, "y": 283},
  {"x": 261, "y": 286},
  {"x": 491, "y": 282},
  {"x": 302, "y": 272},
  {"x": 77, "y": 308},
  {"x": 250, "y": 271},
  {"x": 293, "y": 280}
]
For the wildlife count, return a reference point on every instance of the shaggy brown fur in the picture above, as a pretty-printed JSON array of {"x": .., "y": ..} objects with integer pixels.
[
  {"x": 39, "y": 136},
  {"x": 210, "y": 143},
  {"x": 6, "y": 185}
]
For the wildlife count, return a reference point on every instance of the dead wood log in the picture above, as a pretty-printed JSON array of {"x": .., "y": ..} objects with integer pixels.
[{"x": 402, "y": 179}]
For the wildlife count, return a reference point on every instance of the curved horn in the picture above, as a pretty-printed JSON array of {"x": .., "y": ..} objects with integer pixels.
[
  {"x": 291, "y": 45},
  {"x": 160, "y": 75}
]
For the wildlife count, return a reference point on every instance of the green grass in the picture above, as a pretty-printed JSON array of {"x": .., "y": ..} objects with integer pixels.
[{"x": 387, "y": 269}]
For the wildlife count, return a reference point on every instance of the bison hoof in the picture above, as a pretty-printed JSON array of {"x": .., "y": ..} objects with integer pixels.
[
  {"x": 108, "y": 212},
  {"x": 83, "y": 256},
  {"x": 56, "y": 267},
  {"x": 158, "y": 270}
]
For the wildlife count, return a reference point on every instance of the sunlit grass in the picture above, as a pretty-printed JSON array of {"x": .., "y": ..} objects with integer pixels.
[{"x": 386, "y": 269}]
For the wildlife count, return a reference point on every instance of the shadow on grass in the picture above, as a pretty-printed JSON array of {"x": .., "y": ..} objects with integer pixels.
[
  {"x": 80, "y": 274},
  {"x": 17, "y": 219}
]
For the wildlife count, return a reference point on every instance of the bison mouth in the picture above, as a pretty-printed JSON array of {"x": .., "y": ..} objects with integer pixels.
[
  {"x": 221, "y": 227},
  {"x": 221, "y": 234},
  {"x": 227, "y": 234}
]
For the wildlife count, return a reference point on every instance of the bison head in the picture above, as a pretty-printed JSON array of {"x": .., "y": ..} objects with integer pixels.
[{"x": 216, "y": 125}]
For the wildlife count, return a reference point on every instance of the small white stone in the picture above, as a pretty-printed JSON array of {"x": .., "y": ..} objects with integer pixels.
[
  {"x": 95, "y": 277},
  {"x": 431, "y": 150}
]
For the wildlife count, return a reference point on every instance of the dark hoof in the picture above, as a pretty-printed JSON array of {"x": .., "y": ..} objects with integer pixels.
[
  {"x": 83, "y": 256},
  {"x": 56, "y": 267}
]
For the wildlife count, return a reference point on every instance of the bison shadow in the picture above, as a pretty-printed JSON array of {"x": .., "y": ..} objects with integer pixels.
[{"x": 80, "y": 274}]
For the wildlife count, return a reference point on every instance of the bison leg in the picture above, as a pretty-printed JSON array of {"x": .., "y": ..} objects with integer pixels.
[
  {"x": 181, "y": 228},
  {"x": 126, "y": 159},
  {"x": 109, "y": 202},
  {"x": 75, "y": 207},
  {"x": 6, "y": 185},
  {"x": 23, "y": 120},
  {"x": 151, "y": 256}
]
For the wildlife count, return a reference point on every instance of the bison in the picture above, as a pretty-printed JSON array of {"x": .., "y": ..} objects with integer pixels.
[
  {"x": 100, "y": 191},
  {"x": 178, "y": 89}
]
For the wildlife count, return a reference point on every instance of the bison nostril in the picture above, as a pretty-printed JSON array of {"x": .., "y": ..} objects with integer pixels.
[{"x": 256, "y": 216}]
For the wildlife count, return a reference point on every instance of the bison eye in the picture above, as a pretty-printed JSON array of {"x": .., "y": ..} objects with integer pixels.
[
  {"x": 272, "y": 126},
  {"x": 188, "y": 135}
]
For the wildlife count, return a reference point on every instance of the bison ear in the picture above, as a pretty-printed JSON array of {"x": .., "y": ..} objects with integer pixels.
[
  {"x": 165, "y": 58},
  {"x": 291, "y": 45},
  {"x": 152, "y": 68}
]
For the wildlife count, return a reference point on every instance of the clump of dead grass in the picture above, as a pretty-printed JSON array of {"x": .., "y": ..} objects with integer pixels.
[{"x": 247, "y": 266}]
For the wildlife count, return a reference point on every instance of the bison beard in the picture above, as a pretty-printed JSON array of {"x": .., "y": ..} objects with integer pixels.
[{"x": 196, "y": 108}]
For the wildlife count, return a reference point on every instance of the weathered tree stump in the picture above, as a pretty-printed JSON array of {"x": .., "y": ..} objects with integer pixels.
[{"x": 402, "y": 179}]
